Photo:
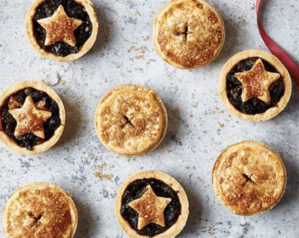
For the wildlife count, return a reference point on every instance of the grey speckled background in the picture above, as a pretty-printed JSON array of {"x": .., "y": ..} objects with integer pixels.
[{"x": 195, "y": 135}]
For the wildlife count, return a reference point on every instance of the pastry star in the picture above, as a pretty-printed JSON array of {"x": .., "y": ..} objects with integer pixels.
[
  {"x": 150, "y": 208},
  {"x": 30, "y": 119},
  {"x": 60, "y": 27},
  {"x": 256, "y": 82}
]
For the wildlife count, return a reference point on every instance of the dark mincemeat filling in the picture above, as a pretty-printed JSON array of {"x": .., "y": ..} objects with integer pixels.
[
  {"x": 73, "y": 10},
  {"x": 253, "y": 105},
  {"x": 9, "y": 123},
  {"x": 135, "y": 190}
]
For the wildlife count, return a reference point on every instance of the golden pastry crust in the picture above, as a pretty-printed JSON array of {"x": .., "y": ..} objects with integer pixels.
[
  {"x": 30, "y": 119},
  {"x": 176, "y": 228},
  {"x": 9, "y": 142},
  {"x": 131, "y": 120},
  {"x": 87, "y": 4},
  {"x": 62, "y": 23},
  {"x": 150, "y": 208},
  {"x": 40, "y": 210},
  {"x": 249, "y": 178},
  {"x": 256, "y": 82},
  {"x": 188, "y": 33},
  {"x": 281, "y": 69}
]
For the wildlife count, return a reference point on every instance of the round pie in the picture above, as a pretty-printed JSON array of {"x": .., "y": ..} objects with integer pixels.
[
  {"x": 40, "y": 210},
  {"x": 151, "y": 204},
  {"x": 32, "y": 117},
  {"x": 188, "y": 33},
  {"x": 131, "y": 120},
  {"x": 249, "y": 178},
  {"x": 254, "y": 85},
  {"x": 61, "y": 30}
]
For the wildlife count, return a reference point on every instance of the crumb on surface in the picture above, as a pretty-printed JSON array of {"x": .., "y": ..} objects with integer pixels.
[
  {"x": 103, "y": 176},
  {"x": 99, "y": 173},
  {"x": 176, "y": 110}
]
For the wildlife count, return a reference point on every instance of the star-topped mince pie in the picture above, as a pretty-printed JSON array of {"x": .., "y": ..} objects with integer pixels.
[
  {"x": 150, "y": 208},
  {"x": 131, "y": 120},
  {"x": 61, "y": 30},
  {"x": 40, "y": 210},
  {"x": 32, "y": 117},
  {"x": 151, "y": 204},
  {"x": 254, "y": 85},
  {"x": 188, "y": 33},
  {"x": 249, "y": 178},
  {"x": 60, "y": 27}
]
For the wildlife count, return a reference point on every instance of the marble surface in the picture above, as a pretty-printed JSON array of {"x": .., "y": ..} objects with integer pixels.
[{"x": 199, "y": 125}]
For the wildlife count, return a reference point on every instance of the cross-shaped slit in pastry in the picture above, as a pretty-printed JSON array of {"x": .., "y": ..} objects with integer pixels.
[
  {"x": 129, "y": 121},
  {"x": 36, "y": 220},
  {"x": 248, "y": 178},
  {"x": 186, "y": 32}
]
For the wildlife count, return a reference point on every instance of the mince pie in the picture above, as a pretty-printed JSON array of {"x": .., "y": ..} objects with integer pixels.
[
  {"x": 254, "y": 85},
  {"x": 32, "y": 117},
  {"x": 249, "y": 178},
  {"x": 188, "y": 33},
  {"x": 61, "y": 30},
  {"x": 40, "y": 210},
  {"x": 151, "y": 204},
  {"x": 131, "y": 120}
]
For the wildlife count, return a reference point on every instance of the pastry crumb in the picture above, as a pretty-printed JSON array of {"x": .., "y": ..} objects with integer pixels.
[
  {"x": 142, "y": 48},
  {"x": 132, "y": 47},
  {"x": 101, "y": 175},
  {"x": 145, "y": 38},
  {"x": 139, "y": 57},
  {"x": 100, "y": 167},
  {"x": 176, "y": 110}
]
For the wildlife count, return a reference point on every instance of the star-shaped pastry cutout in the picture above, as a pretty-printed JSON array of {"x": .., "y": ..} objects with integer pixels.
[
  {"x": 150, "y": 208},
  {"x": 256, "y": 82},
  {"x": 30, "y": 119},
  {"x": 60, "y": 27}
]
